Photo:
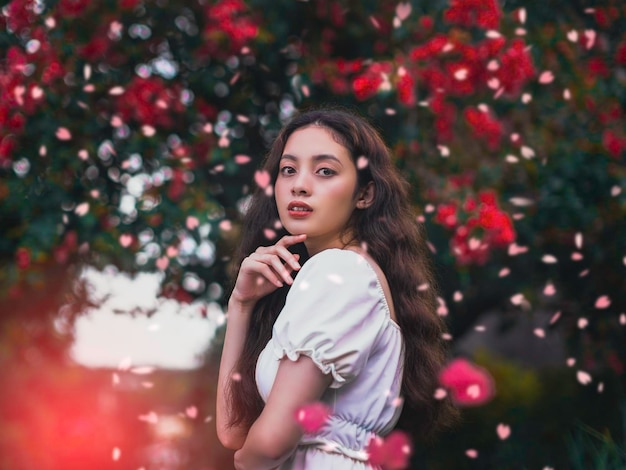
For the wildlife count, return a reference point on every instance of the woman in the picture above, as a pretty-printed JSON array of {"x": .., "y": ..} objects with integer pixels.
[{"x": 356, "y": 329}]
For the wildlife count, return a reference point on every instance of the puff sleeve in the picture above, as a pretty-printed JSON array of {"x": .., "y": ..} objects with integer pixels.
[{"x": 333, "y": 314}]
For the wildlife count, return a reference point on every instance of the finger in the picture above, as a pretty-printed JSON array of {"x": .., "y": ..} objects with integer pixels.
[
  {"x": 277, "y": 265},
  {"x": 287, "y": 256},
  {"x": 268, "y": 273},
  {"x": 289, "y": 240}
]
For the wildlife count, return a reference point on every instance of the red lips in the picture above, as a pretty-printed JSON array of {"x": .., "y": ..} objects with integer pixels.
[{"x": 299, "y": 209}]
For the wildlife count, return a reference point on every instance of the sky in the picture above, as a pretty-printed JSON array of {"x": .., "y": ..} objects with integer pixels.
[{"x": 174, "y": 337}]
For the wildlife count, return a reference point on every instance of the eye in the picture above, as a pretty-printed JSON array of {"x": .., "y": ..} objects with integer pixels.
[
  {"x": 287, "y": 170},
  {"x": 326, "y": 171}
]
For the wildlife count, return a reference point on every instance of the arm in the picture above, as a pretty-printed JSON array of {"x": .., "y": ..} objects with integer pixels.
[
  {"x": 261, "y": 273},
  {"x": 236, "y": 331},
  {"x": 275, "y": 434}
]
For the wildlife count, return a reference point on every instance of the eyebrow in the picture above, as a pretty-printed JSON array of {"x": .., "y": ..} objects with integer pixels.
[{"x": 316, "y": 158}]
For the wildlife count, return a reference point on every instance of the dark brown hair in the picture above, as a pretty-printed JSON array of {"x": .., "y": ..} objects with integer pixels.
[{"x": 393, "y": 239}]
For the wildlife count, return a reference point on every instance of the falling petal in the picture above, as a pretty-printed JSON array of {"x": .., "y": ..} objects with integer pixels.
[
  {"x": 313, "y": 416},
  {"x": 443, "y": 150},
  {"x": 242, "y": 159},
  {"x": 577, "y": 256},
  {"x": 362, "y": 162},
  {"x": 526, "y": 98},
  {"x": 549, "y": 289},
  {"x": 522, "y": 15},
  {"x": 63, "y": 133},
  {"x": 208, "y": 419},
  {"x": 82, "y": 154},
  {"x": 582, "y": 323},
  {"x": 269, "y": 233},
  {"x": 480, "y": 328},
  {"x": 517, "y": 299},
  {"x": 555, "y": 318},
  {"x": 539, "y": 333},
  {"x": 192, "y": 222},
  {"x": 520, "y": 31},
  {"x": 503, "y": 431},
  {"x": 572, "y": 35},
  {"x": 616, "y": 191},
  {"x": 622, "y": 319},
  {"x": 143, "y": 370},
  {"x": 147, "y": 130},
  {"x": 471, "y": 453},
  {"x": 262, "y": 178},
  {"x": 403, "y": 10},
  {"x": 191, "y": 412},
  {"x": 578, "y": 239},
  {"x": 226, "y": 225},
  {"x": 504, "y": 272},
  {"x": 116, "y": 453},
  {"x": 570, "y": 362},
  {"x": 600, "y": 387},
  {"x": 458, "y": 296},
  {"x": 115, "y": 379},
  {"x": 116, "y": 91},
  {"x": 549, "y": 259},
  {"x": 162, "y": 263},
  {"x": 603, "y": 301},
  {"x": 590, "y": 35},
  {"x": 82, "y": 209},
  {"x": 151, "y": 418},
  {"x": 374, "y": 22},
  {"x": 126, "y": 240},
  {"x": 440, "y": 394},
  {"x": 527, "y": 152},
  {"x": 492, "y": 34},
  {"x": 235, "y": 377},
  {"x": 461, "y": 74},
  {"x": 583, "y": 377},
  {"x": 567, "y": 94}
]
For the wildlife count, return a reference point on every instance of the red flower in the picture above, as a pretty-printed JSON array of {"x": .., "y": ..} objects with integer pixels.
[
  {"x": 406, "y": 88},
  {"x": 469, "y": 384},
  {"x": 128, "y": 4},
  {"x": 485, "y": 14},
  {"x": 21, "y": 14},
  {"x": 613, "y": 143},
  {"x": 516, "y": 67},
  {"x": 447, "y": 215},
  {"x": 72, "y": 8},
  {"x": 16, "y": 123},
  {"x": 7, "y": 146},
  {"x": 597, "y": 67},
  {"x": 95, "y": 49},
  {"x": 365, "y": 86},
  {"x": 484, "y": 126},
  {"x": 620, "y": 54},
  {"x": 228, "y": 29},
  {"x": 22, "y": 258}
]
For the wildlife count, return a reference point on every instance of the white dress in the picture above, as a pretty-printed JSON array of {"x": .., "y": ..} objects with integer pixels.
[{"x": 336, "y": 313}]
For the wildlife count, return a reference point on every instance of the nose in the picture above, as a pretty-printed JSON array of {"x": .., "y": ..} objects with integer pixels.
[{"x": 301, "y": 185}]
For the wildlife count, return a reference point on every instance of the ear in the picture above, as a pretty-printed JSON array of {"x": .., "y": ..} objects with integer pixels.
[{"x": 365, "y": 198}]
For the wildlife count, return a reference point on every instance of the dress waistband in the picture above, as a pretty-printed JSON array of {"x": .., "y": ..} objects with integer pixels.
[{"x": 335, "y": 448}]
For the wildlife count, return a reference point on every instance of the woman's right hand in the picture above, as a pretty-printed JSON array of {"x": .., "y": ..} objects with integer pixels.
[{"x": 265, "y": 270}]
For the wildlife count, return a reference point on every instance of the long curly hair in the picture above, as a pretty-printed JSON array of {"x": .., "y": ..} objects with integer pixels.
[{"x": 393, "y": 239}]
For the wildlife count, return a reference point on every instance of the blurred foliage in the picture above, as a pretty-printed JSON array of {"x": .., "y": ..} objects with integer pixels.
[{"x": 130, "y": 131}]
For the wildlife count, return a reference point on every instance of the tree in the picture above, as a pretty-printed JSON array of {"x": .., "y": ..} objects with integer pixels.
[{"x": 130, "y": 132}]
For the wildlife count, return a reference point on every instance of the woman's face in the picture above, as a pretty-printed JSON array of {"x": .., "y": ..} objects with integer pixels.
[{"x": 315, "y": 188}]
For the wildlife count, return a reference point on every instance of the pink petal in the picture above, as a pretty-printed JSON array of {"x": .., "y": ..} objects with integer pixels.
[
  {"x": 313, "y": 416},
  {"x": 583, "y": 377},
  {"x": 262, "y": 179},
  {"x": 503, "y": 431},
  {"x": 603, "y": 301},
  {"x": 546, "y": 77},
  {"x": 63, "y": 133}
]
